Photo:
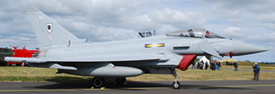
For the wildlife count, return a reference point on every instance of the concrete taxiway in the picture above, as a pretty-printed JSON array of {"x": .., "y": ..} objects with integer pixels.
[{"x": 163, "y": 87}]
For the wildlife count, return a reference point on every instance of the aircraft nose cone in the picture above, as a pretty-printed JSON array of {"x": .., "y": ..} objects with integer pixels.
[{"x": 241, "y": 48}]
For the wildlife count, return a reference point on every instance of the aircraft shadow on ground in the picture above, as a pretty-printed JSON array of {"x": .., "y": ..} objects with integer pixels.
[
  {"x": 131, "y": 85},
  {"x": 67, "y": 79}
]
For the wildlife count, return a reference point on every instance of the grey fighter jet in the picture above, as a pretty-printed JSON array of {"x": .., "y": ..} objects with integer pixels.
[{"x": 160, "y": 54}]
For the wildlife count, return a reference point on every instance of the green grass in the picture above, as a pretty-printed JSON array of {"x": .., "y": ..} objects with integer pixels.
[
  {"x": 202, "y": 75},
  {"x": 34, "y": 74}
]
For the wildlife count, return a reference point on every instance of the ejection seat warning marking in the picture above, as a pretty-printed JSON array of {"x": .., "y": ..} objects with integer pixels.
[{"x": 154, "y": 45}]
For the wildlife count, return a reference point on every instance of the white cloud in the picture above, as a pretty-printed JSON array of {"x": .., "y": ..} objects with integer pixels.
[
  {"x": 241, "y": 13},
  {"x": 267, "y": 20},
  {"x": 7, "y": 40},
  {"x": 177, "y": 18},
  {"x": 111, "y": 34},
  {"x": 163, "y": 29},
  {"x": 265, "y": 38},
  {"x": 234, "y": 32},
  {"x": 244, "y": 6}
]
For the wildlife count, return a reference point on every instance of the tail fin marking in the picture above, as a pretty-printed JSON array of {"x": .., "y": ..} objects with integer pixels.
[{"x": 48, "y": 31}]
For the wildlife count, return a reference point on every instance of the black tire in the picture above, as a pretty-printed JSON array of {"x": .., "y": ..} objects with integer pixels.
[
  {"x": 176, "y": 85},
  {"x": 98, "y": 82},
  {"x": 1, "y": 63},
  {"x": 4, "y": 63},
  {"x": 120, "y": 80},
  {"x": 26, "y": 64}
]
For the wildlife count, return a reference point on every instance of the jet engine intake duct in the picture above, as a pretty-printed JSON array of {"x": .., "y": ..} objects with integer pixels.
[
  {"x": 40, "y": 54},
  {"x": 186, "y": 61}
]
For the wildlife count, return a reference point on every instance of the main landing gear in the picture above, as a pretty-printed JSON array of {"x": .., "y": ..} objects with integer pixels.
[
  {"x": 99, "y": 82},
  {"x": 121, "y": 80},
  {"x": 176, "y": 84}
]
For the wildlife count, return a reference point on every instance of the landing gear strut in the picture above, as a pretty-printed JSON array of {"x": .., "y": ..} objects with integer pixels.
[
  {"x": 176, "y": 84},
  {"x": 121, "y": 80},
  {"x": 98, "y": 82}
]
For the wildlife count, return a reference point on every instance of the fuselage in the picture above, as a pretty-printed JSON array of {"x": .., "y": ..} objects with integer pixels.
[
  {"x": 162, "y": 46},
  {"x": 136, "y": 48}
]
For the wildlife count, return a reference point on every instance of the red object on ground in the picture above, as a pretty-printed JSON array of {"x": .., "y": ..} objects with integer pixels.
[
  {"x": 186, "y": 61},
  {"x": 21, "y": 53}
]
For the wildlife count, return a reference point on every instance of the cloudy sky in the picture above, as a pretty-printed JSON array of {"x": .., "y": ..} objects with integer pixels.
[{"x": 251, "y": 21}]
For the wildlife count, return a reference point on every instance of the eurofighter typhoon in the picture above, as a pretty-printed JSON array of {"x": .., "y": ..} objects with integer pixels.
[{"x": 161, "y": 54}]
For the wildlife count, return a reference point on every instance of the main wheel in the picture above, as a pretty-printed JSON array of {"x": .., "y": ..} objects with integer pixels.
[
  {"x": 120, "y": 80},
  {"x": 176, "y": 85},
  {"x": 98, "y": 82},
  {"x": 4, "y": 63}
]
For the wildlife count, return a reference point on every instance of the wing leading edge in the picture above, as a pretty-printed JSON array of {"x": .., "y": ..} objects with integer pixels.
[{"x": 86, "y": 59}]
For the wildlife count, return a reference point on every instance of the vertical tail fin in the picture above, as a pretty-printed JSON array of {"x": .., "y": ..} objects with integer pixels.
[{"x": 47, "y": 31}]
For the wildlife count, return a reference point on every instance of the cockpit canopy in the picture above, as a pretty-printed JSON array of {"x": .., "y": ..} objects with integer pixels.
[{"x": 196, "y": 33}]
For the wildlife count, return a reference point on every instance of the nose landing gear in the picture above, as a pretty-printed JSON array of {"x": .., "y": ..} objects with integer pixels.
[{"x": 176, "y": 84}]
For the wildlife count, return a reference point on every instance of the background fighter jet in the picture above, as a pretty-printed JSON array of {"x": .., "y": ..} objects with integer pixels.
[{"x": 160, "y": 54}]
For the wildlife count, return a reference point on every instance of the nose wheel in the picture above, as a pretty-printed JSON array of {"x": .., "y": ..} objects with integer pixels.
[{"x": 176, "y": 84}]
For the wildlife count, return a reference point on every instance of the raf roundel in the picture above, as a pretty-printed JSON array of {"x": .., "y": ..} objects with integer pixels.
[{"x": 49, "y": 27}]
